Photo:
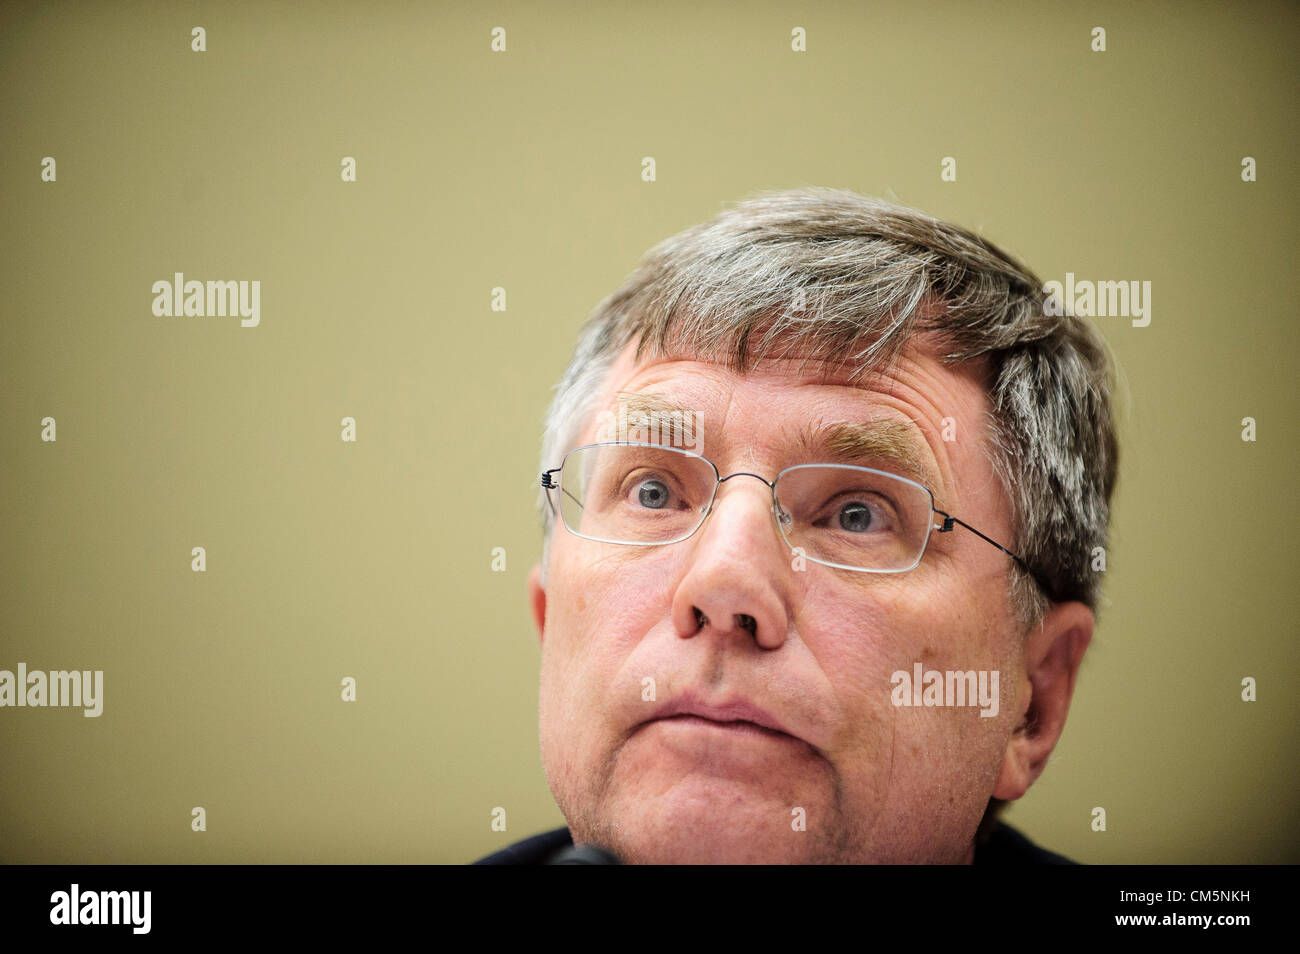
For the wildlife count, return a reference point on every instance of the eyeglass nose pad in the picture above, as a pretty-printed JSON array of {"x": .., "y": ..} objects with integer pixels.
[{"x": 782, "y": 517}]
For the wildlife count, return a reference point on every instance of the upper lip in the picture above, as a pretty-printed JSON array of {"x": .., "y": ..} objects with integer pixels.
[{"x": 735, "y": 709}]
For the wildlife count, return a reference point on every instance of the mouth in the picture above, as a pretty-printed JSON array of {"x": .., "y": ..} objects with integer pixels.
[
  {"x": 724, "y": 738},
  {"x": 731, "y": 726},
  {"x": 736, "y": 716}
]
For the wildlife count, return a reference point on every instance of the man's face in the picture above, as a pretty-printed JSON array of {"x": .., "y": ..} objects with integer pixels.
[{"x": 854, "y": 777}]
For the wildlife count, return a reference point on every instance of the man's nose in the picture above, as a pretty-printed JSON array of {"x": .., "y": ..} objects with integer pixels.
[{"x": 736, "y": 583}]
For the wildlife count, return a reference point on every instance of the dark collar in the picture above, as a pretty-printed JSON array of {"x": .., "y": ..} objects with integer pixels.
[{"x": 1004, "y": 846}]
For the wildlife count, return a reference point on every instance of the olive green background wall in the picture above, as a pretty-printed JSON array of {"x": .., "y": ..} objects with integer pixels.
[{"x": 522, "y": 169}]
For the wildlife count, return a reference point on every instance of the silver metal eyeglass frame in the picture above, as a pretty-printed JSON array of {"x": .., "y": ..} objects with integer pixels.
[{"x": 949, "y": 521}]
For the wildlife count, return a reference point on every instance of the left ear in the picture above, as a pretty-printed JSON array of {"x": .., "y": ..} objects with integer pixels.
[
  {"x": 537, "y": 600},
  {"x": 1053, "y": 654}
]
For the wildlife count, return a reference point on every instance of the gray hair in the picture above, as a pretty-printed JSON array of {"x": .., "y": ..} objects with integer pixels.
[{"x": 873, "y": 274}]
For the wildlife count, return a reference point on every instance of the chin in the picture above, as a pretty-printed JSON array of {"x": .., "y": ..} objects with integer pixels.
[
  {"x": 685, "y": 846},
  {"x": 707, "y": 824}
]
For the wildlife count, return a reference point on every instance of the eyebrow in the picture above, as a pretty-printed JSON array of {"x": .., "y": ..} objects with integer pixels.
[
  {"x": 885, "y": 441},
  {"x": 677, "y": 424},
  {"x": 888, "y": 442},
  {"x": 649, "y": 402}
]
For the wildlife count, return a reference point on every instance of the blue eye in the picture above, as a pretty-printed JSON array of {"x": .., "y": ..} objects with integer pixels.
[
  {"x": 855, "y": 517},
  {"x": 653, "y": 494}
]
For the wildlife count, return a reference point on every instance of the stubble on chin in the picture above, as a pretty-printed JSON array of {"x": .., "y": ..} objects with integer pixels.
[{"x": 600, "y": 809}]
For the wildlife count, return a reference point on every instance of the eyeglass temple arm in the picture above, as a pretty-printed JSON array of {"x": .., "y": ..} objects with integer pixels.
[
  {"x": 949, "y": 520},
  {"x": 549, "y": 484},
  {"x": 1043, "y": 583}
]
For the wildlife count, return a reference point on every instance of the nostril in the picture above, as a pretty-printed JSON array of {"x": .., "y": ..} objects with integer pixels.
[{"x": 747, "y": 623}]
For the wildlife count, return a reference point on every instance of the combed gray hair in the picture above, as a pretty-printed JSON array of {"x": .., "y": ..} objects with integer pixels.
[{"x": 829, "y": 275}]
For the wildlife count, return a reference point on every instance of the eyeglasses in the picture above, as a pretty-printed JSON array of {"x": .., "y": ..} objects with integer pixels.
[{"x": 838, "y": 515}]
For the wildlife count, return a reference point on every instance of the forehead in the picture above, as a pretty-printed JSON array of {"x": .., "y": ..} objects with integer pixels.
[{"x": 920, "y": 353}]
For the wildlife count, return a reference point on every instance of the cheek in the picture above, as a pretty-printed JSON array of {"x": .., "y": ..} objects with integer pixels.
[
  {"x": 858, "y": 630},
  {"x": 853, "y": 629},
  {"x": 597, "y": 615},
  {"x": 862, "y": 632},
  {"x": 942, "y": 755},
  {"x": 603, "y": 602}
]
